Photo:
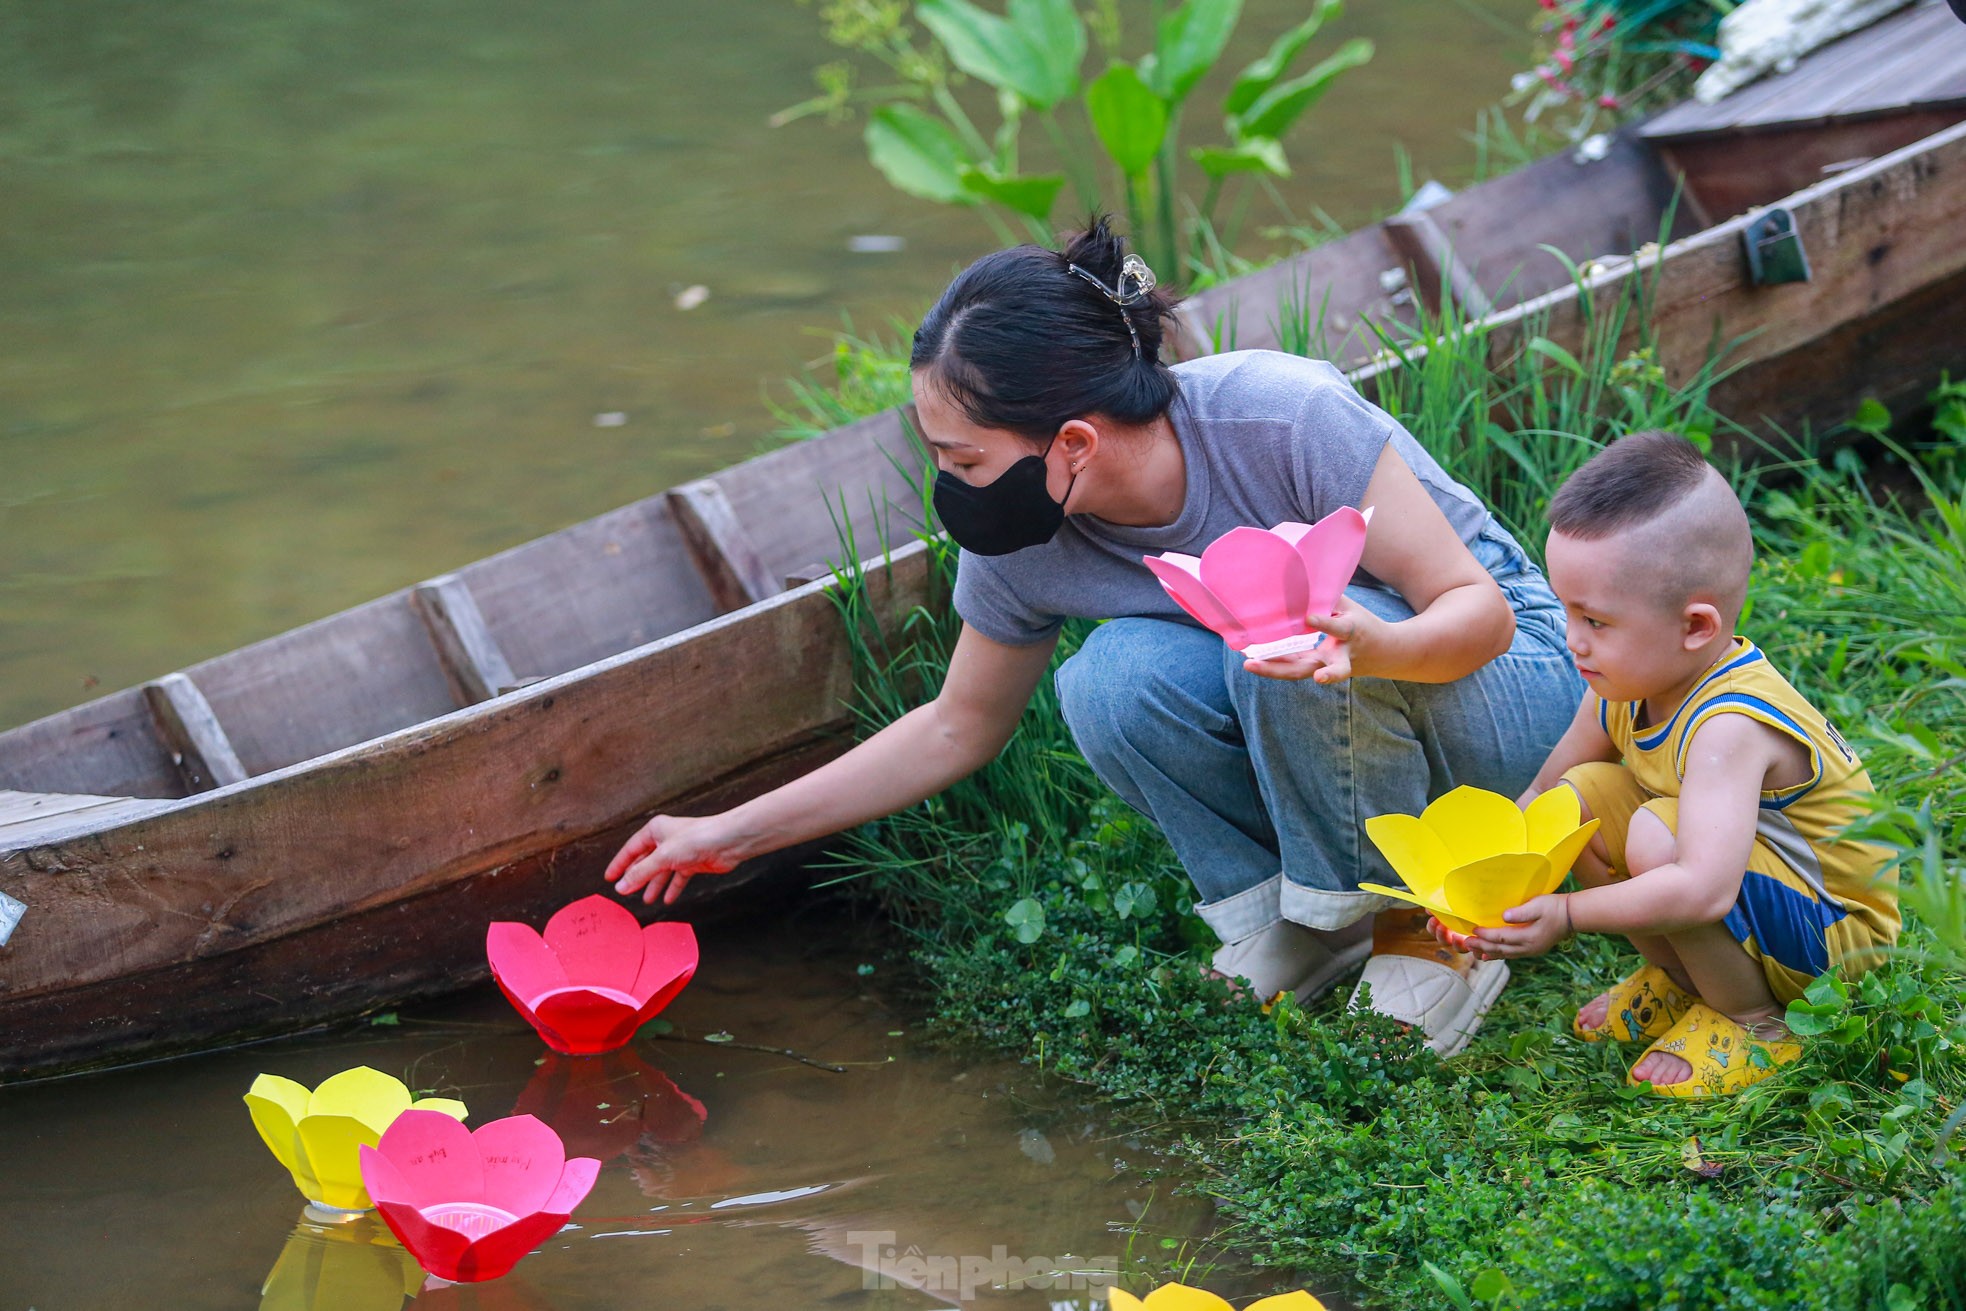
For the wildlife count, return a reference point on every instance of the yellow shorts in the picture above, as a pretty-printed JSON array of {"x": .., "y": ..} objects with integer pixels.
[{"x": 1792, "y": 926}]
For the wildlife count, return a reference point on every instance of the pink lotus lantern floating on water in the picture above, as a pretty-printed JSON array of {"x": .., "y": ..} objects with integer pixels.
[
  {"x": 1255, "y": 586},
  {"x": 595, "y": 976},
  {"x": 469, "y": 1205}
]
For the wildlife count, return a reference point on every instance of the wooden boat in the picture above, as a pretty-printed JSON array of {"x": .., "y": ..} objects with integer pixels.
[{"x": 323, "y": 822}]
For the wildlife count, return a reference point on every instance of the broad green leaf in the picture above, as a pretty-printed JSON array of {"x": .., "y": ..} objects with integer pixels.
[
  {"x": 1254, "y": 155},
  {"x": 1026, "y": 919},
  {"x": 1871, "y": 417},
  {"x": 1276, "y": 109},
  {"x": 1263, "y": 74},
  {"x": 1056, "y": 35},
  {"x": 1130, "y": 120},
  {"x": 1187, "y": 45},
  {"x": 918, "y": 153},
  {"x": 1135, "y": 901},
  {"x": 1026, "y": 195},
  {"x": 1034, "y": 52}
]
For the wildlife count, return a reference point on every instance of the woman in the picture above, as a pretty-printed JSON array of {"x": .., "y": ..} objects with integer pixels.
[{"x": 1066, "y": 450}]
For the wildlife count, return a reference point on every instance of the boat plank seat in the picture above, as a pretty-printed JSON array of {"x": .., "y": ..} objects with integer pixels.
[
  {"x": 1435, "y": 268},
  {"x": 27, "y": 817},
  {"x": 805, "y": 508},
  {"x": 1584, "y": 207},
  {"x": 473, "y": 661},
  {"x": 1874, "y": 91},
  {"x": 725, "y": 555},
  {"x": 587, "y": 592},
  {"x": 1319, "y": 301},
  {"x": 106, "y": 747},
  {"x": 330, "y": 684},
  {"x": 199, "y": 746}
]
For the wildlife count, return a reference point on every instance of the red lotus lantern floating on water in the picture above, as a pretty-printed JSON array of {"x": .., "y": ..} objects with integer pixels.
[
  {"x": 595, "y": 976},
  {"x": 1254, "y": 587},
  {"x": 469, "y": 1206}
]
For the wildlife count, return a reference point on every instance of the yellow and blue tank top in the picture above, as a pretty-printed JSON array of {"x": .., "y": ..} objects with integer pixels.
[{"x": 1801, "y": 825}]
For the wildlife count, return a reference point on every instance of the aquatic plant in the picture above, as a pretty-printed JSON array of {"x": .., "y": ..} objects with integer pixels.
[
  {"x": 595, "y": 976},
  {"x": 317, "y": 1135},
  {"x": 1473, "y": 854},
  {"x": 926, "y": 143},
  {"x": 469, "y": 1205}
]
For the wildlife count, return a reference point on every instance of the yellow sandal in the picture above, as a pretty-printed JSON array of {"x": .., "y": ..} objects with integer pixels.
[
  {"x": 1643, "y": 1006},
  {"x": 1725, "y": 1057}
]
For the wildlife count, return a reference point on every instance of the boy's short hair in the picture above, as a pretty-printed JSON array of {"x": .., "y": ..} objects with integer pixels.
[{"x": 1691, "y": 535}]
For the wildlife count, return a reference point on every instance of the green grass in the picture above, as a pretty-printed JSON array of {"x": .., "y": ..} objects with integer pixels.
[{"x": 1052, "y": 922}]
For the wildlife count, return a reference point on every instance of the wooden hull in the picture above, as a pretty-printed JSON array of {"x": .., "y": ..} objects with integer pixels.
[
  {"x": 369, "y": 875},
  {"x": 325, "y": 822},
  {"x": 422, "y": 944}
]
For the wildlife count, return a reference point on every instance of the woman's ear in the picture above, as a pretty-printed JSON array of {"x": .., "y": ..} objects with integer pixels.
[
  {"x": 1700, "y": 624},
  {"x": 1077, "y": 440}
]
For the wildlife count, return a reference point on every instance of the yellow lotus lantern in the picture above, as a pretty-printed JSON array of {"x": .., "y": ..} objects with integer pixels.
[
  {"x": 1179, "y": 1297},
  {"x": 1473, "y": 854},
  {"x": 319, "y": 1135}
]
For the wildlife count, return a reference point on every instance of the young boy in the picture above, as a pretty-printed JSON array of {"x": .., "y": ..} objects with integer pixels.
[{"x": 1720, "y": 792}]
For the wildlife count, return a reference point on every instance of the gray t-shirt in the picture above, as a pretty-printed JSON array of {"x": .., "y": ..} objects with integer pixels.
[{"x": 1266, "y": 437}]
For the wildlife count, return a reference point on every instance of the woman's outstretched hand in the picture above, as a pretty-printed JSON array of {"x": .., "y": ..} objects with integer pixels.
[
  {"x": 1350, "y": 635},
  {"x": 666, "y": 853}
]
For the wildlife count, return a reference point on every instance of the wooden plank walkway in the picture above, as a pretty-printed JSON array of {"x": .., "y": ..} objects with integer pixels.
[{"x": 1913, "y": 60}]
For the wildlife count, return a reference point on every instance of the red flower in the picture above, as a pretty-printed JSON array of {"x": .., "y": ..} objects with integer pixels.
[{"x": 595, "y": 977}]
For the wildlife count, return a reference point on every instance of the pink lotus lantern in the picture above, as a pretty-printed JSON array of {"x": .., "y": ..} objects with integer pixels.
[
  {"x": 1254, "y": 586},
  {"x": 469, "y": 1205},
  {"x": 596, "y": 975}
]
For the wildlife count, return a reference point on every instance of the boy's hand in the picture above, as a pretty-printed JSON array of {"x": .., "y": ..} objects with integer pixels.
[
  {"x": 1533, "y": 928},
  {"x": 1448, "y": 938}
]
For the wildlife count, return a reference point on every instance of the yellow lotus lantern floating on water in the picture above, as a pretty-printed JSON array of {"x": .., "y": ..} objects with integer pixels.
[
  {"x": 319, "y": 1135},
  {"x": 1473, "y": 854},
  {"x": 1179, "y": 1297}
]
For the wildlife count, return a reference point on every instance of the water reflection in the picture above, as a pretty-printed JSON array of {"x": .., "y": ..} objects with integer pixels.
[
  {"x": 731, "y": 1176},
  {"x": 355, "y": 1266},
  {"x": 607, "y": 1105},
  {"x": 359, "y": 1266}
]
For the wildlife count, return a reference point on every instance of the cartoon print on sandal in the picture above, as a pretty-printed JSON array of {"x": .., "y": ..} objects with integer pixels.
[
  {"x": 1724, "y": 1056},
  {"x": 1641, "y": 1006}
]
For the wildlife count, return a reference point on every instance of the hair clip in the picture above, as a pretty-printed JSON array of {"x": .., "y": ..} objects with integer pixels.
[{"x": 1136, "y": 282}]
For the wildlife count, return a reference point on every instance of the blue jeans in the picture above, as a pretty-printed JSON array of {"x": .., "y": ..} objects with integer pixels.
[{"x": 1262, "y": 786}]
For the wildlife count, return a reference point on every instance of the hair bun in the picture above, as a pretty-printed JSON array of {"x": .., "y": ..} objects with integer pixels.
[{"x": 1027, "y": 338}]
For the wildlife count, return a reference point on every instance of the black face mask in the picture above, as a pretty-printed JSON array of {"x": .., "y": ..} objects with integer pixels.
[{"x": 1008, "y": 514}]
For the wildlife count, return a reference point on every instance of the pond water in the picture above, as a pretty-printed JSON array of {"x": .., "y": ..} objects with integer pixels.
[
  {"x": 731, "y": 1177},
  {"x": 305, "y": 300}
]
